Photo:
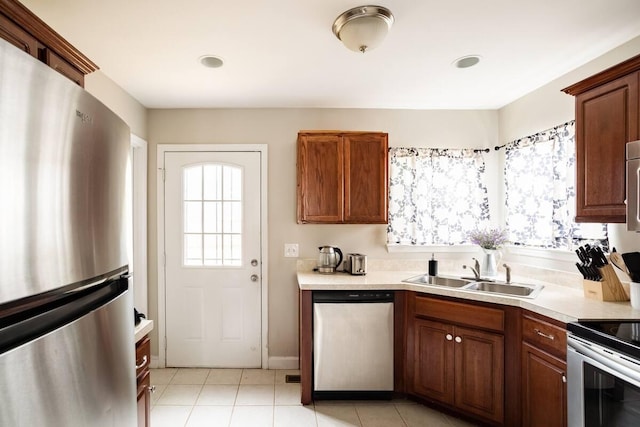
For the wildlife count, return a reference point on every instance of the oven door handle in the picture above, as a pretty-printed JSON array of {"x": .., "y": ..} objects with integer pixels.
[{"x": 616, "y": 364}]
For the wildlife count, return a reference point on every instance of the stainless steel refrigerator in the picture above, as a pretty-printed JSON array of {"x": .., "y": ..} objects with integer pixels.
[{"x": 66, "y": 313}]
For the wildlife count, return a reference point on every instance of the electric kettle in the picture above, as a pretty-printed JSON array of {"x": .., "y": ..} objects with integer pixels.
[{"x": 329, "y": 259}]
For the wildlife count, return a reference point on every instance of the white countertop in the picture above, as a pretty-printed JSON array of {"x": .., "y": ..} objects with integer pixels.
[
  {"x": 563, "y": 303},
  {"x": 143, "y": 328}
]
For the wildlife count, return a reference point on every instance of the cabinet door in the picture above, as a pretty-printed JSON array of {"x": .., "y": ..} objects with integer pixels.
[
  {"x": 479, "y": 373},
  {"x": 433, "y": 375},
  {"x": 17, "y": 36},
  {"x": 366, "y": 178},
  {"x": 544, "y": 389},
  {"x": 606, "y": 119},
  {"x": 320, "y": 178},
  {"x": 63, "y": 67}
]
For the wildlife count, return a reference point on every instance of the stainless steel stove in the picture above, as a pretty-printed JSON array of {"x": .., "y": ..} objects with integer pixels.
[{"x": 603, "y": 371}]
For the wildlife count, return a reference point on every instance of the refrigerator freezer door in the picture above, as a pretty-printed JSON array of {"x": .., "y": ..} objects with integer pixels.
[
  {"x": 63, "y": 180},
  {"x": 79, "y": 375}
]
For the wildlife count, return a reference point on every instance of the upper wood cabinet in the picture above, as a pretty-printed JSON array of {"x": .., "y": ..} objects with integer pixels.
[
  {"x": 607, "y": 117},
  {"x": 20, "y": 27},
  {"x": 342, "y": 177}
]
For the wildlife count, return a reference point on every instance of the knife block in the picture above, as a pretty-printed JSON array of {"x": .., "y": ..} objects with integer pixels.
[{"x": 609, "y": 289}]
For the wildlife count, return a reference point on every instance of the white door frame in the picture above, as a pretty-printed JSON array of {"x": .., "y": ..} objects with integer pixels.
[{"x": 166, "y": 148}]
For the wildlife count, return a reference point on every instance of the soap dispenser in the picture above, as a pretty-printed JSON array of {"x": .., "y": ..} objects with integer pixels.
[{"x": 433, "y": 266}]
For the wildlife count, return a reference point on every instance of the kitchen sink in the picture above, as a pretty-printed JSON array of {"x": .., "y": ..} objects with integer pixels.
[
  {"x": 483, "y": 286},
  {"x": 425, "y": 279},
  {"x": 512, "y": 289}
]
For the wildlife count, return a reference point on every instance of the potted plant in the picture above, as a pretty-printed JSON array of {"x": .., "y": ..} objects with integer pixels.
[{"x": 490, "y": 240}]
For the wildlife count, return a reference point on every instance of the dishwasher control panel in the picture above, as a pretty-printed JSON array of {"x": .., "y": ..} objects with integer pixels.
[{"x": 352, "y": 296}]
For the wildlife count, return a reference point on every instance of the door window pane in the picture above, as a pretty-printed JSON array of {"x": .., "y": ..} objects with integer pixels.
[
  {"x": 192, "y": 249},
  {"x": 192, "y": 217},
  {"x": 212, "y": 210}
]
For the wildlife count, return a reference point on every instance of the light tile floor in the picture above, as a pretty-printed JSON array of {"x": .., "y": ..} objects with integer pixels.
[{"x": 256, "y": 398}]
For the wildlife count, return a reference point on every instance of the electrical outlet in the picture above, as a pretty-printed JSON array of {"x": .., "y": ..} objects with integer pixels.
[{"x": 291, "y": 250}]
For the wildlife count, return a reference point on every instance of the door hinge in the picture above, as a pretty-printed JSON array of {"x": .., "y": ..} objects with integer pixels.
[
  {"x": 164, "y": 259},
  {"x": 163, "y": 173}
]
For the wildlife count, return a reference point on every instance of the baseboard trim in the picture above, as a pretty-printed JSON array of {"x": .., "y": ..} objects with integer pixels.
[
  {"x": 155, "y": 362},
  {"x": 283, "y": 362},
  {"x": 273, "y": 363}
]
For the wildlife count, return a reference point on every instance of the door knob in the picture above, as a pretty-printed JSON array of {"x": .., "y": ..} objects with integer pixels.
[
  {"x": 254, "y": 262},
  {"x": 254, "y": 277}
]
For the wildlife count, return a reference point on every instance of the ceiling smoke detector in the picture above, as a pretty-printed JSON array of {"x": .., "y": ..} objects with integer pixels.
[{"x": 363, "y": 28}]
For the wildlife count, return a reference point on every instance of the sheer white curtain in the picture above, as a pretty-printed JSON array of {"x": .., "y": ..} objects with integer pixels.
[
  {"x": 436, "y": 196},
  {"x": 539, "y": 177}
]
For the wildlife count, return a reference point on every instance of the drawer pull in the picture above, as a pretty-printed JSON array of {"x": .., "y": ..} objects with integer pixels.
[
  {"x": 542, "y": 334},
  {"x": 143, "y": 363}
]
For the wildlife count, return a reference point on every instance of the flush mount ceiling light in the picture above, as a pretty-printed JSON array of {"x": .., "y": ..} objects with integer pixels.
[
  {"x": 363, "y": 28},
  {"x": 466, "y": 61},
  {"x": 211, "y": 61}
]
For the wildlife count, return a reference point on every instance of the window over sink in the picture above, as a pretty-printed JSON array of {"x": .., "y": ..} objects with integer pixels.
[{"x": 437, "y": 196}]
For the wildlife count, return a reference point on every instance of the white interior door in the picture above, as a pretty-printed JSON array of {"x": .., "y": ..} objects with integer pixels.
[{"x": 213, "y": 265}]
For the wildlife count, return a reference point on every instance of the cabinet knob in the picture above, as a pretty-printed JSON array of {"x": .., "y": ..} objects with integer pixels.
[
  {"x": 152, "y": 389},
  {"x": 458, "y": 339},
  {"x": 564, "y": 378},
  {"x": 449, "y": 337}
]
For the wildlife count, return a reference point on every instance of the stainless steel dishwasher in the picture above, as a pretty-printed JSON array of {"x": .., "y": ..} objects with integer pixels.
[{"x": 353, "y": 344}]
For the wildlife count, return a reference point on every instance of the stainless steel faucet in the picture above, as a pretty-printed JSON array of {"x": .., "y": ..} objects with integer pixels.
[
  {"x": 475, "y": 268},
  {"x": 507, "y": 274}
]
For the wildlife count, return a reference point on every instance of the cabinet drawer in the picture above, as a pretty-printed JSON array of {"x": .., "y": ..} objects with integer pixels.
[
  {"x": 545, "y": 335},
  {"x": 461, "y": 313},
  {"x": 143, "y": 356}
]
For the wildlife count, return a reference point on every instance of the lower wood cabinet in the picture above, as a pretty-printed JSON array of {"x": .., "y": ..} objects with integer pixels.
[
  {"x": 454, "y": 361},
  {"x": 143, "y": 380},
  {"x": 544, "y": 389},
  {"x": 460, "y": 366},
  {"x": 544, "y": 371}
]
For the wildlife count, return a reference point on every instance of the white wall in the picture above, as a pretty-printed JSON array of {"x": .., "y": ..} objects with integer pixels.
[
  {"x": 548, "y": 106},
  {"x": 278, "y": 128},
  {"x": 119, "y": 101}
]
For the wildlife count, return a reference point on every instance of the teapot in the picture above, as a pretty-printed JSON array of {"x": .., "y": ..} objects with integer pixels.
[{"x": 329, "y": 259}]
